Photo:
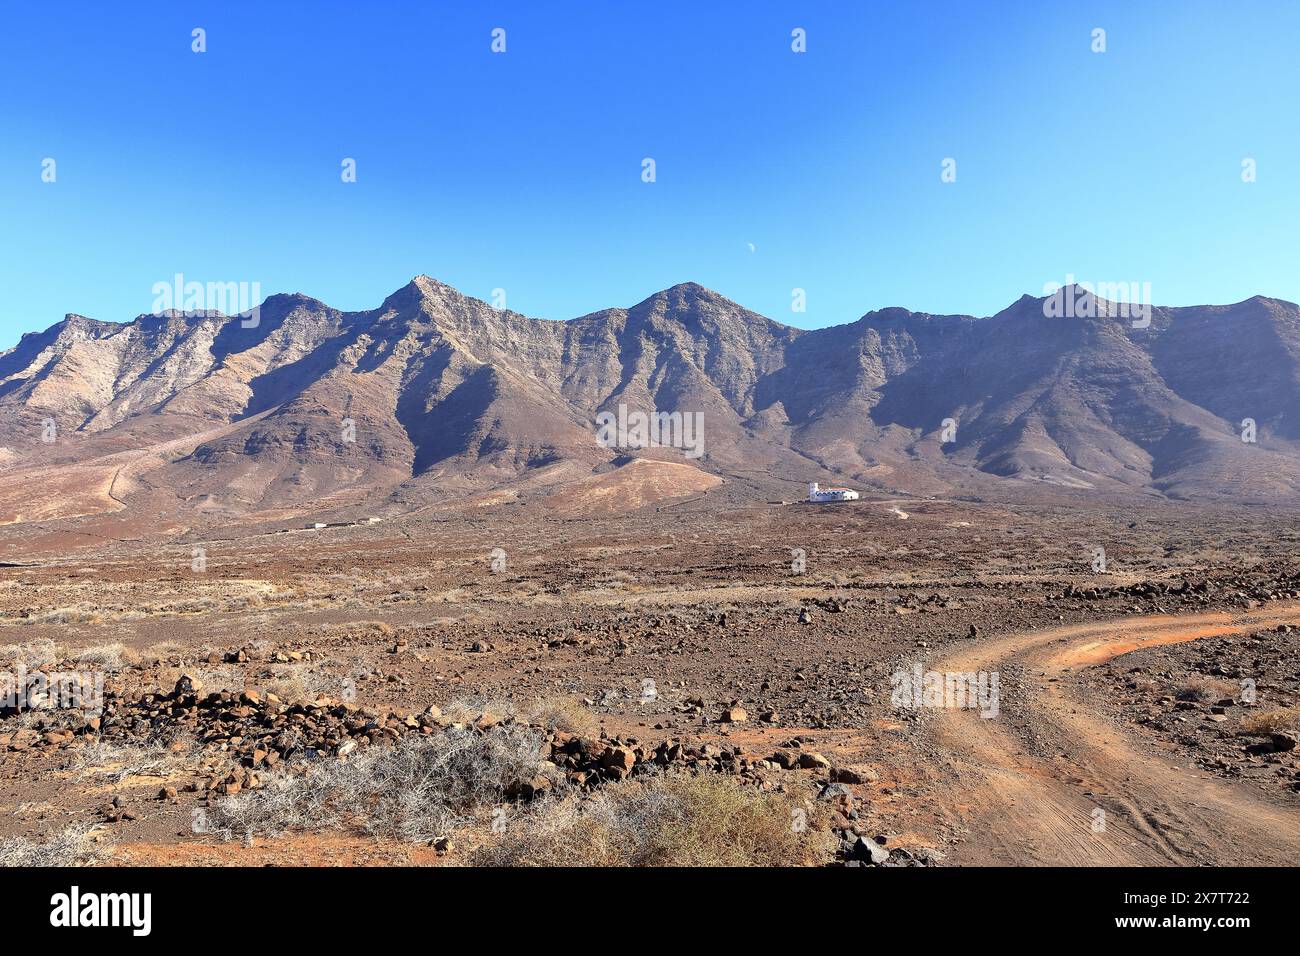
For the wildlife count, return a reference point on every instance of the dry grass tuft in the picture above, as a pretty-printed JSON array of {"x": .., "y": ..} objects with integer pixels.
[
  {"x": 302, "y": 681},
  {"x": 468, "y": 710},
  {"x": 82, "y": 613},
  {"x": 1206, "y": 690},
  {"x": 215, "y": 677},
  {"x": 166, "y": 650},
  {"x": 1277, "y": 721},
  {"x": 674, "y": 820},
  {"x": 566, "y": 714},
  {"x": 73, "y": 846},
  {"x": 107, "y": 657},
  {"x": 33, "y": 655},
  {"x": 118, "y": 761}
]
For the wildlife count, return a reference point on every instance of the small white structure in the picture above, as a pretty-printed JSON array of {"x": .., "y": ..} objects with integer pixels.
[{"x": 817, "y": 493}]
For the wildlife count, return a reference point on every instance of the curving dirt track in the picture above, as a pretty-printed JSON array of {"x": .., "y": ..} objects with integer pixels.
[{"x": 1031, "y": 779}]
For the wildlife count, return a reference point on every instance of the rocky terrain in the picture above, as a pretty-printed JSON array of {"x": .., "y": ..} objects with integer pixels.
[
  {"x": 275, "y": 705},
  {"x": 1227, "y": 705}
]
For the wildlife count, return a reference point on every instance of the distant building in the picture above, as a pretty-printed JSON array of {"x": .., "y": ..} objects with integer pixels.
[{"x": 817, "y": 493}]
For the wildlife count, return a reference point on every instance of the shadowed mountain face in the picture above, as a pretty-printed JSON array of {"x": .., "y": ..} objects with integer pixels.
[{"x": 436, "y": 396}]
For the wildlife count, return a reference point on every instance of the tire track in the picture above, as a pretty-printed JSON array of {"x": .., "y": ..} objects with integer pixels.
[{"x": 1035, "y": 777}]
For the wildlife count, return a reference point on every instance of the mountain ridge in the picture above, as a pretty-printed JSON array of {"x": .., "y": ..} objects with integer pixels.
[
  {"x": 904, "y": 311},
  {"x": 436, "y": 395}
]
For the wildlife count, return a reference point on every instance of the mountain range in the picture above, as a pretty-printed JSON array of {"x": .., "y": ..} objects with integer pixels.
[{"x": 437, "y": 399}]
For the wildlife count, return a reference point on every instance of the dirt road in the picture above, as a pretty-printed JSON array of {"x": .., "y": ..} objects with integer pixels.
[{"x": 1035, "y": 781}]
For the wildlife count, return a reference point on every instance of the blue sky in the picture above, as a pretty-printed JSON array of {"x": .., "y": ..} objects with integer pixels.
[{"x": 522, "y": 170}]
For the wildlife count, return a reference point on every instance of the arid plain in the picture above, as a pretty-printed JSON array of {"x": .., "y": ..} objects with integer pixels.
[{"x": 753, "y": 643}]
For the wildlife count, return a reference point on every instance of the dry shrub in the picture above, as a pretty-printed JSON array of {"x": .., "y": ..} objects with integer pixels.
[
  {"x": 214, "y": 677},
  {"x": 420, "y": 789},
  {"x": 1279, "y": 720},
  {"x": 81, "y": 613},
  {"x": 42, "y": 719},
  {"x": 108, "y": 657},
  {"x": 198, "y": 605},
  {"x": 674, "y": 820},
  {"x": 33, "y": 655},
  {"x": 1206, "y": 690},
  {"x": 302, "y": 681},
  {"x": 165, "y": 650},
  {"x": 72, "y": 846},
  {"x": 162, "y": 756},
  {"x": 566, "y": 714},
  {"x": 369, "y": 629},
  {"x": 468, "y": 710}
]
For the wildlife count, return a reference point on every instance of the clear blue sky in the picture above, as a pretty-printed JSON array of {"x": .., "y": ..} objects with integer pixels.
[{"x": 523, "y": 170}]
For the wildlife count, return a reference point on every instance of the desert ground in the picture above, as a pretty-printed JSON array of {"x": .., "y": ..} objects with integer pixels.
[{"x": 706, "y": 682}]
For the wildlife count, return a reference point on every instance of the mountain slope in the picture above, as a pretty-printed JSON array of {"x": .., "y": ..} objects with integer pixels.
[{"x": 435, "y": 395}]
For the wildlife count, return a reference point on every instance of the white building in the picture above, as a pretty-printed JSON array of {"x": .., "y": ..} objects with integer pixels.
[{"x": 817, "y": 493}]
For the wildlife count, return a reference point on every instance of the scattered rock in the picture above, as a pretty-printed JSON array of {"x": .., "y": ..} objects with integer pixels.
[
  {"x": 848, "y": 775},
  {"x": 810, "y": 760},
  {"x": 187, "y": 684},
  {"x": 870, "y": 852}
]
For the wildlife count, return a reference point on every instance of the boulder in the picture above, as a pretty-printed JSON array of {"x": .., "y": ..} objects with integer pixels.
[
  {"x": 870, "y": 852},
  {"x": 849, "y": 775},
  {"x": 785, "y": 759},
  {"x": 1284, "y": 740},
  {"x": 187, "y": 684},
  {"x": 618, "y": 761},
  {"x": 810, "y": 760}
]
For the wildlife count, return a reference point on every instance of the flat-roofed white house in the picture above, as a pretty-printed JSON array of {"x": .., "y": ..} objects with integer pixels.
[{"x": 817, "y": 493}]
